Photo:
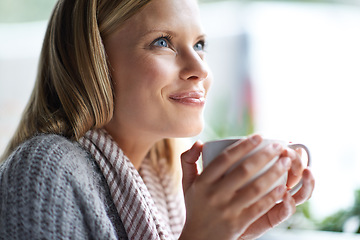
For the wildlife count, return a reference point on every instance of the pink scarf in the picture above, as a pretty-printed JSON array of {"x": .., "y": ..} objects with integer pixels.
[{"x": 147, "y": 205}]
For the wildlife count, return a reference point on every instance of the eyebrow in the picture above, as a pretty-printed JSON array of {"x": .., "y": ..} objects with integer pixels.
[{"x": 172, "y": 33}]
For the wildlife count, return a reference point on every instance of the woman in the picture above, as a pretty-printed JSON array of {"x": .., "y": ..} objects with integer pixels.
[{"x": 92, "y": 157}]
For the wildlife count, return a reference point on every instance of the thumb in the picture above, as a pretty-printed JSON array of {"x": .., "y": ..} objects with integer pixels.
[{"x": 188, "y": 163}]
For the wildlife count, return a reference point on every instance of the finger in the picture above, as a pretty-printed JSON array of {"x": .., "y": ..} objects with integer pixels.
[
  {"x": 296, "y": 169},
  {"x": 188, "y": 163},
  {"x": 282, "y": 211},
  {"x": 218, "y": 167},
  {"x": 261, "y": 207},
  {"x": 256, "y": 189},
  {"x": 297, "y": 165},
  {"x": 247, "y": 169},
  {"x": 292, "y": 180},
  {"x": 274, "y": 217},
  {"x": 299, "y": 151},
  {"x": 305, "y": 192}
]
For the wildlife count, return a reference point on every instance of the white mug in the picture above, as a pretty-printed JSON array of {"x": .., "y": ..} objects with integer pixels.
[{"x": 212, "y": 149}]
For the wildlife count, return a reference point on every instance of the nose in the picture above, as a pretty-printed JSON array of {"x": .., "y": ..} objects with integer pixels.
[{"x": 193, "y": 66}]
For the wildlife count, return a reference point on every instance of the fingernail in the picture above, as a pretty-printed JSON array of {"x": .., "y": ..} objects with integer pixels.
[{"x": 255, "y": 139}]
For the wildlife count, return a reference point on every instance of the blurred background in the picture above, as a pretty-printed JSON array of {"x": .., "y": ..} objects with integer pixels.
[{"x": 288, "y": 70}]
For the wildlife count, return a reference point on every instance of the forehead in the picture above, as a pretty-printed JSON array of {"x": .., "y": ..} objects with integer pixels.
[
  {"x": 166, "y": 14},
  {"x": 167, "y": 8}
]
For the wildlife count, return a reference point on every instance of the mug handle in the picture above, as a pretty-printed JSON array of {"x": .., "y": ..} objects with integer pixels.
[{"x": 297, "y": 187}]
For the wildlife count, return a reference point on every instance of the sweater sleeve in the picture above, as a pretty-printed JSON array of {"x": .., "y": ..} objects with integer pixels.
[{"x": 48, "y": 191}]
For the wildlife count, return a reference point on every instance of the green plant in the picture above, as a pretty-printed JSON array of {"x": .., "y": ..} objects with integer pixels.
[{"x": 337, "y": 221}]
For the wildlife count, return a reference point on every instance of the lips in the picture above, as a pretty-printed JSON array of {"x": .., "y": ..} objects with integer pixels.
[{"x": 189, "y": 98}]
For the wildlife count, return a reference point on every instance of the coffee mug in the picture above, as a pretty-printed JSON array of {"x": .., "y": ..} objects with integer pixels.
[{"x": 212, "y": 149}]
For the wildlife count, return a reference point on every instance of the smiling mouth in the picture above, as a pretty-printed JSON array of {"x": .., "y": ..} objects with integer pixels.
[{"x": 189, "y": 98}]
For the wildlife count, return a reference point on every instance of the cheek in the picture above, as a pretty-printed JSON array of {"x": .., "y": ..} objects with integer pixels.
[
  {"x": 144, "y": 81},
  {"x": 158, "y": 70},
  {"x": 152, "y": 78}
]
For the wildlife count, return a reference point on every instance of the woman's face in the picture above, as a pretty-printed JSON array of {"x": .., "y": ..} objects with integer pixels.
[{"x": 158, "y": 70}]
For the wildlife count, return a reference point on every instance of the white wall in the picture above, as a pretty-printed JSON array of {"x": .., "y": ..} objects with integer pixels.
[{"x": 20, "y": 46}]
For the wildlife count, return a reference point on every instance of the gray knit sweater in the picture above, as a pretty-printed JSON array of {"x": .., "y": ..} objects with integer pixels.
[{"x": 51, "y": 188}]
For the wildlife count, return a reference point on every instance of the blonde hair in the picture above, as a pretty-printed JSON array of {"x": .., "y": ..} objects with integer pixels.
[{"x": 73, "y": 90}]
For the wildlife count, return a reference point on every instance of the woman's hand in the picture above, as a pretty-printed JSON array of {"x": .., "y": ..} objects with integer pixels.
[
  {"x": 223, "y": 206},
  {"x": 282, "y": 211},
  {"x": 285, "y": 209}
]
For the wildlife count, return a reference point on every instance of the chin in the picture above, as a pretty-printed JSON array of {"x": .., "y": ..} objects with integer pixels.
[{"x": 189, "y": 132}]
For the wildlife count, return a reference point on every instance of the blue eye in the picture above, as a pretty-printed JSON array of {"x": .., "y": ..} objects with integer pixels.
[
  {"x": 164, "y": 41},
  {"x": 161, "y": 42},
  {"x": 199, "y": 46}
]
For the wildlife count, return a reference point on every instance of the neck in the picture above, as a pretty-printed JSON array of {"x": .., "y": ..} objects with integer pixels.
[
  {"x": 136, "y": 152},
  {"x": 134, "y": 147}
]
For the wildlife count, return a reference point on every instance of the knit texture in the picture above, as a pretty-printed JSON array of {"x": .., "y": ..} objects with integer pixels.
[{"x": 51, "y": 188}]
